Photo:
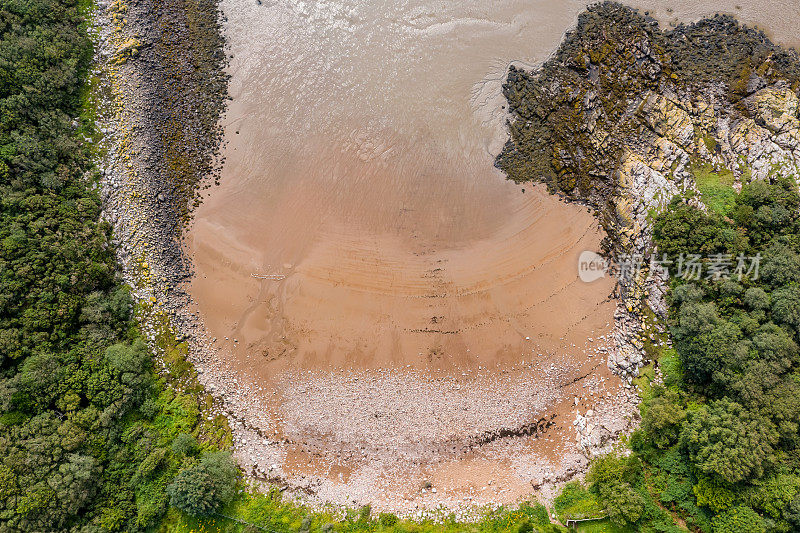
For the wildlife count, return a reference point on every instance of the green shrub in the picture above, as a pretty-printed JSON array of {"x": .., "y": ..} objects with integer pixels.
[
  {"x": 204, "y": 487},
  {"x": 184, "y": 445},
  {"x": 713, "y": 494},
  {"x": 387, "y": 519}
]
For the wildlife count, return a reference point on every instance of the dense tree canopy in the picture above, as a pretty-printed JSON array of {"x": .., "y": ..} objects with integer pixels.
[
  {"x": 85, "y": 424},
  {"x": 719, "y": 437},
  {"x": 725, "y": 440}
]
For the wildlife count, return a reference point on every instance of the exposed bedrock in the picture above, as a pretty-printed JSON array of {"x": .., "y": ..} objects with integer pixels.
[
  {"x": 622, "y": 115},
  {"x": 163, "y": 89}
]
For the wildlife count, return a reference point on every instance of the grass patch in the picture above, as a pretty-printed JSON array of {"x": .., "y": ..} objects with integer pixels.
[
  {"x": 710, "y": 142},
  {"x": 716, "y": 187},
  {"x": 184, "y": 404},
  {"x": 252, "y": 512},
  {"x": 575, "y": 503},
  {"x": 670, "y": 364},
  {"x": 602, "y": 526},
  {"x": 647, "y": 374}
]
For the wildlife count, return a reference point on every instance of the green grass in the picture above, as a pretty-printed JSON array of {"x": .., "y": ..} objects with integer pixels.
[
  {"x": 670, "y": 364},
  {"x": 602, "y": 526},
  {"x": 575, "y": 502},
  {"x": 710, "y": 142},
  {"x": 647, "y": 374},
  {"x": 716, "y": 187},
  {"x": 183, "y": 404},
  {"x": 253, "y": 512}
]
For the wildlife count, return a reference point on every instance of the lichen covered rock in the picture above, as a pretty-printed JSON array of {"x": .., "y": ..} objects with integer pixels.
[{"x": 621, "y": 115}]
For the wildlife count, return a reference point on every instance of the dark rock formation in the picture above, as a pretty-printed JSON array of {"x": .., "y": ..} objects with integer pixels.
[{"x": 622, "y": 115}]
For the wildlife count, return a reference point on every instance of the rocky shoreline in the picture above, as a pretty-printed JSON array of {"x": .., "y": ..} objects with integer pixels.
[
  {"x": 622, "y": 115},
  {"x": 165, "y": 90},
  {"x": 160, "y": 89},
  {"x": 615, "y": 119}
]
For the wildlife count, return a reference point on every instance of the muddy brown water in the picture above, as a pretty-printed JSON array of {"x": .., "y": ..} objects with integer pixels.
[{"x": 360, "y": 224}]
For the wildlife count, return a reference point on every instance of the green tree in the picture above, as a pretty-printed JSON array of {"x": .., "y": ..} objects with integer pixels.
[
  {"x": 621, "y": 501},
  {"x": 726, "y": 440},
  {"x": 662, "y": 417},
  {"x": 786, "y": 306},
  {"x": 706, "y": 342},
  {"x": 74, "y": 483},
  {"x": 738, "y": 520},
  {"x": 574, "y": 501},
  {"x": 793, "y": 511},
  {"x": 685, "y": 229},
  {"x": 780, "y": 265},
  {"x": 204, "y": 487},
  {"x": 613, "y": 479},
  {"x": 773, "y": 496},
  {"x": 184, "y": 444},
  {"x": 756, "y": 298}
]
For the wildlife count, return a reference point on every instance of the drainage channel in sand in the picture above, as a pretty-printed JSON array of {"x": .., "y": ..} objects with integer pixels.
[{"x": 399, "y": 318}]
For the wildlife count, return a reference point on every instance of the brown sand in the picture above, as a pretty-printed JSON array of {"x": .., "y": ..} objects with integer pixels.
[
  {"x": 393, "y": 309},
  {"x": 407, "y": 316},
  {"x": 429, "y": 275}
]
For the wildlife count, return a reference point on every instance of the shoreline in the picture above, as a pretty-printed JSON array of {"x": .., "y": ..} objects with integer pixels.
[{"x": 157, "y": 273}]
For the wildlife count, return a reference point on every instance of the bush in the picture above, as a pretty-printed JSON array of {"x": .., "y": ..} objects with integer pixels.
[
  {"x": 387, "y": 519},
  {"x": 184, "y": 445},
  {"x": 713, "y": 494},
  {"x": 206, "y": 486}
]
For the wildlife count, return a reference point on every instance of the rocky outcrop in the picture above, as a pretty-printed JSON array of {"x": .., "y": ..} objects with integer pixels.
[
  {"x": 622, "y": 115},
  {"x": 161, "y": 90}
]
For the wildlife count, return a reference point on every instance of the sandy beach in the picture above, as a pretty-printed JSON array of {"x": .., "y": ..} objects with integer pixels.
[{"x": 399, "y": 316}]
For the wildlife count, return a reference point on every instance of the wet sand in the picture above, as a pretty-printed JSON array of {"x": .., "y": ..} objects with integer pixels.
[
  {"x": 409, "y": 282},
  {"x": 392, "y": 302}
]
